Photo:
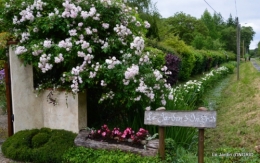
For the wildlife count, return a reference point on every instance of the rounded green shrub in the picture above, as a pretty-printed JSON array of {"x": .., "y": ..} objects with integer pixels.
[
  {"x": 38, "y": 145},
  {"x": 40, "y": 139}
]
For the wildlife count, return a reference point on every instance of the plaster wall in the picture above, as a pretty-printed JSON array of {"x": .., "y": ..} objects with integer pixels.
[
  {"x": 36, "y": 112},
  {"x": 69, "y": 114},
  {"x": 26, "y": 107}
]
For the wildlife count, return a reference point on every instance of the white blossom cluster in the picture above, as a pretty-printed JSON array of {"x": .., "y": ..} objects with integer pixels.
[
  {"x": 211, "y": 74},
  {"x": 27, "y": 14},
  {"x": 108, "y": 2},
  {"x": 71, "y": 10},
  {"x": 59, "y": 58},
  {"x": 147, "y": 24},
  {"x": 91, "y": 13},
  {"x": 105, "y": 25},
  {"x": 37, "y": 52},
  {"x": 138, "y": 45},
  {"x": 144, "y": 59},
  {"x": 56, "y": 12},
  {"x": 43, "y": 64},
  {"x": 47, "y": 43},
  {"x": 25, "y": 36},
  {"x": 96, "y": 68},
  {"x": 20, "y": 50},
  {"x": 131, "y": 72},
  {"x": 103, "y": 83},
  {"x": 157, "y": 75},
  {"x": 112, "y": 62},
  {"x": 165, "y": 70},
  {"x": 181, "y": 94},
  {"x": 221, "y": 69},
  {"x": 67, "y": 44},
  {"x": 84, "y": 41},
  {"x": 144, "y": 89}
]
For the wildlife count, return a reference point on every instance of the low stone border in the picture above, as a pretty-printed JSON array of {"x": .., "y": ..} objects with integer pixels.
[{"x": 82, "y": 140}]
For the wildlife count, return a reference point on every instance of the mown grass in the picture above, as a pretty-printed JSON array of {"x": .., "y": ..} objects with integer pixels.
[{"x": 238, "y": 112}]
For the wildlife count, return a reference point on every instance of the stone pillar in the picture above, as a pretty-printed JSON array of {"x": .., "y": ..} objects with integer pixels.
[
  {"x": 26, "y": 107},
  {"x": 36, "y": 112}
]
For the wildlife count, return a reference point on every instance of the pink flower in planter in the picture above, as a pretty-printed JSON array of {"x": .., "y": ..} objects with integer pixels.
[
  {"x": 116, "y": 132},
  {"x": 127, "y": 133},
  {"x": 104, "y": 131},
  {"x": 104, "y": 134},
  {"x": 104, "y": 126},
  {"x": 142, "y": 133}
]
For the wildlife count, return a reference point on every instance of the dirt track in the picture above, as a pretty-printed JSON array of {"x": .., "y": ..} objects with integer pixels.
[{"x": 3, "y": 128}]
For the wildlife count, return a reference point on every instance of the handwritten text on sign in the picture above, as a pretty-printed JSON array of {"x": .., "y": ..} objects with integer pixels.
[{"x": 203, "y": 119}]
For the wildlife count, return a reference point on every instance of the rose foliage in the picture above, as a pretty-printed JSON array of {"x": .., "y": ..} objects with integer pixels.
[{"x": 78, "y": 44}]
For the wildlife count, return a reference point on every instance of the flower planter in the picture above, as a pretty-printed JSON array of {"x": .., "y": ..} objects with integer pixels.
[{"x": 82, "y": 140}]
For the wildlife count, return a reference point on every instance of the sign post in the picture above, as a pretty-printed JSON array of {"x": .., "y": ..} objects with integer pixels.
[
  {"x": 161, "y": 142},
  {"x": 201, "y": 146},
  {"x": 198, "y": 118}
]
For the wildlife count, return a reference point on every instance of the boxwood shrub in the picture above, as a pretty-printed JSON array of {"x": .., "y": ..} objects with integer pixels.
[{"x": 38, "y": 145}]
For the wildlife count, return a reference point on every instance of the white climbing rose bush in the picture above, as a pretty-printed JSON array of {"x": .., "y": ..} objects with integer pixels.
[{"x": 77, "y": 44}]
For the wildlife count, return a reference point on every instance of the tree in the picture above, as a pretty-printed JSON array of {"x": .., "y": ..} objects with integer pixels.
[
  {"x": 186, "y": 27},
  {"x": 143, "y": 5},
  {"x": 258, "y": 49},
  {"x": 228, "y": 37},
  {"x": 149, "y": 12},
  {"x": 214, "y": 24},
  {"x": 198, "y": 41},
  {"x": 247, "y": 35},
  {"x": 231, "y": 22}
]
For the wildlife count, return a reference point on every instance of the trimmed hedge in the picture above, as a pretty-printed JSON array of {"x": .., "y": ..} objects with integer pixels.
[
  {"x": 193, "y": 61},
  {"x": 187, "y": 57},
  {"x": 38, "y": 145},
  {"x": 157, "y": 56}
]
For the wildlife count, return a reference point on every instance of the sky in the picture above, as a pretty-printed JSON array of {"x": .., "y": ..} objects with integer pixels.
[{"x": 246, "y": 10}]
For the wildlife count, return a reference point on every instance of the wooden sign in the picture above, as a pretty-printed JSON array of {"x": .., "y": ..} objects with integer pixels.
[{"x": 200, "y": 119}]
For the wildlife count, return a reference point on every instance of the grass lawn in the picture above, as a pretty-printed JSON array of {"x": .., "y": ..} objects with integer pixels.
[{"x": 238, "y": 113}]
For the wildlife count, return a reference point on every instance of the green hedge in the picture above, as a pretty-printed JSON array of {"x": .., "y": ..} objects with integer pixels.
[
  {"x": 186, "y": 55},
  {"x": 193, "y": 61},
  {"x": 158, "y": 57},
  {"x": 200, "y": 62},
  {"x": 38, "y": 145}
]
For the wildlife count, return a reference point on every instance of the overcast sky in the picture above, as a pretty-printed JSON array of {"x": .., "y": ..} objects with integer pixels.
[{"x": 246, "y": 10}]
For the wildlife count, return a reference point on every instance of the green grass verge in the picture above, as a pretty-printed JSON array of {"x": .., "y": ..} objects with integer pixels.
[{"x": 238, "y": 111}]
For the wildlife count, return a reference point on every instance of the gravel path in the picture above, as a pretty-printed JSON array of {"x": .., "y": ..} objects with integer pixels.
[
  {"x": 3, "y": 136},
  {"x": 211, "y": 101},
  {"x": 255, "y": 64}
]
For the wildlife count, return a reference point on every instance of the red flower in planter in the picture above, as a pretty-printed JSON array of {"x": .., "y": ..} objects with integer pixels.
[
  {"x": 127, "y": 133},
  {"x": 142, "y": 134},
  {"x": 105, "y": 132},
  {"x": 116, "y": 132}
]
